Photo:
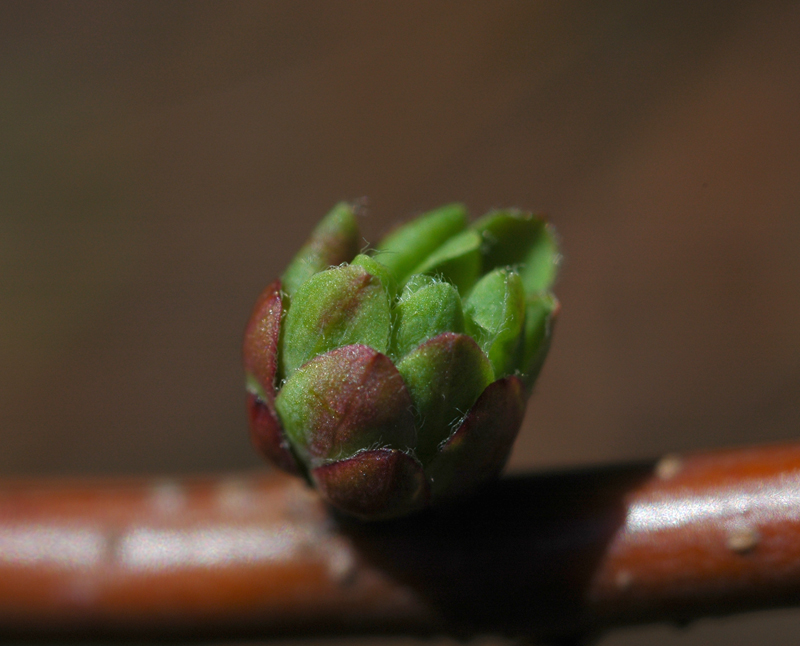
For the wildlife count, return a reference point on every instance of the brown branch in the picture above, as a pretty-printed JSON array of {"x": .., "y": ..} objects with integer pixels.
[{"x": 555, "y": 555}]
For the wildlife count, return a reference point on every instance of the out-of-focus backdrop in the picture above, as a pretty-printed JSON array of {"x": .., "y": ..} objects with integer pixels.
[{"x": 160, "y": 163}]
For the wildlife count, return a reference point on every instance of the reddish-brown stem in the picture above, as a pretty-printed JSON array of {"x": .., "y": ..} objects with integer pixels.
[{"x": 553, "y": 555}]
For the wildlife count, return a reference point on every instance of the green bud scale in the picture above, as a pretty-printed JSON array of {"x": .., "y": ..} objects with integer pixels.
[{"x": 397, "y": 378}]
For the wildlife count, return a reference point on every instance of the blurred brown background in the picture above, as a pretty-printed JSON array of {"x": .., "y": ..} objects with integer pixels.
[{"x": 160, "y": 162}]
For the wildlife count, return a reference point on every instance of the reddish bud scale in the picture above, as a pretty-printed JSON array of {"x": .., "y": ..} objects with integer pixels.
[
  {"x": 345, "y": 399},
  {"x": 374, "y": 484},
  {"x": 260, "y": 351}
]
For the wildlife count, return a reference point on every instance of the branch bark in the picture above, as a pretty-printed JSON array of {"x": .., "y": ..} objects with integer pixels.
[{"x": 548, "y": 556}]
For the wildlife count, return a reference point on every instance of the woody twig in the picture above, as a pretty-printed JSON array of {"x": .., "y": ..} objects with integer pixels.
[{"x": 549, "y": 556}]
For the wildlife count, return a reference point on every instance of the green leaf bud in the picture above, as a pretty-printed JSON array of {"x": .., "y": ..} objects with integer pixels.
[
  {"x": 335, "y": 240},
  {"x": 444, "y": 376},
  {"x": 379, "y": 270},
  {"x": 425, "y": 310},
  {"x": 334, "y": 308},
  {"x": 407, "y": 247},
  {"x": 540, "y": 315},
  {"x": 457, "y": 261},
  {"x": 495, "y": 317},
  {"x": 513, "y": 238}
]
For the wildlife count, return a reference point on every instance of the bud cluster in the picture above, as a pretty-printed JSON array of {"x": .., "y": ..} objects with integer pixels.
[{"x": 399, "y": 377}]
